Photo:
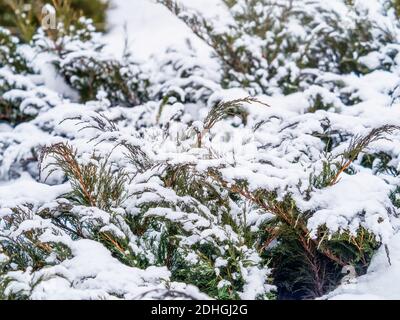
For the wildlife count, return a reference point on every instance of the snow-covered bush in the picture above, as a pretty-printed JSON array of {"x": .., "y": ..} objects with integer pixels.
[
  {"x": 165, "y": 179},
  {"x": 24, "y": 17},
  {"x": 274, "y": 46},
  {"x": 79, "y": 58},
  {"x": 9, "y": 53},
  {"x": 21, "y": 93},
  {"x": 182, "y": 77},
  {"x": 209, "y": 219}
]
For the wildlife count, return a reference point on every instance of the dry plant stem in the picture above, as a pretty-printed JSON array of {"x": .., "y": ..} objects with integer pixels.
[
  {"x": 223, "y": 109},
  {"x": 310, "y": 245},
  {"x": 78, "y": 174},
  {"x": 115, "y": 244},
  {"x": 358, "y": 145},
  {"x": 342, "y": 169},
  {"x": 41, "y": 245},
  {"x": 274, "y": 233},
  {"x": 67, "y": 154}
]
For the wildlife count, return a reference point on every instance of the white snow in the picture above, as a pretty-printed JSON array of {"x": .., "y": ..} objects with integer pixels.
[
  {"x": 25, "y": 189},
  {"x": 280, "y": 155},
  {"x": 148, "y": 27},
  {"x": 381, "y": 280}
]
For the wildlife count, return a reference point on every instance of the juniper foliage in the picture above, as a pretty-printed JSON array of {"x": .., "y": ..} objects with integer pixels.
[{"x": 186, "y": 180}]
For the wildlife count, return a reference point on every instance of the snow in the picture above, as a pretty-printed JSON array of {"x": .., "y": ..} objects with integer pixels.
[
  {"x": 149, "y": 26},
  {"x": 279, "y": 149},
  {"x": 25, "y": 189},
  {"x": 381, "y": 280},
  {"x": 358, "y": 193},
  {"x": 337, "y": 205},
  {"x": 94, "y": 274}
]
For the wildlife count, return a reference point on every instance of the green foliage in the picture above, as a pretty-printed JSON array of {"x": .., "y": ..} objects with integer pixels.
[
  {"x": 91, "y": 72},
  {"x": 185, "y": 180},
  {"x": 203, "y": 275},
  {"x": 180, "y": 217},
  {"x": 24, "y": 248},
  {"x": 395, "y": 197},
  {"x": 15, "y": 62},
  {"x": 222, "y": 111},
  {"x": 97, "y": 186},
  {"x": 94, "y": 184},
  {"x": 393, "y": 4},
  {"x": 297, "y": 273},
  {"x": 24, "y": 20},
  {"x": 333, "y": 168},
  {"x": 380, "y": 163},
  {"x": 11, "y": 62},
  {"x": 259, "y": 51},
  {"x": 9, "y": 54},
  {"x": 123, "y": 83},
  {"x": 10, "y": 113},
  {"x": 305, "y": 268},
  {"x": 92, "y": 75},
  {"x": 158, "y": 214}
]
